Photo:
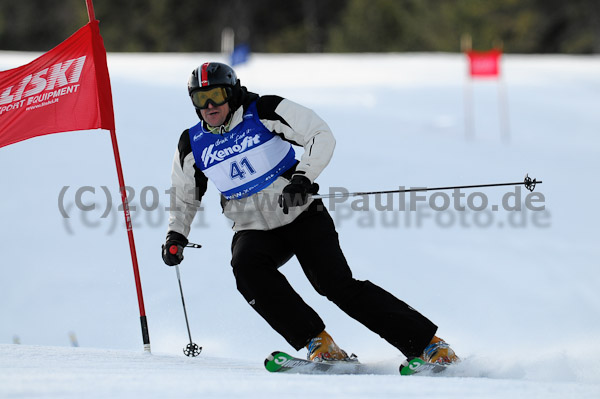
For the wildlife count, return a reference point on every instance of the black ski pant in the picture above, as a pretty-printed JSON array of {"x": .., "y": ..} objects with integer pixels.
[{"x": 258, "y": 254}]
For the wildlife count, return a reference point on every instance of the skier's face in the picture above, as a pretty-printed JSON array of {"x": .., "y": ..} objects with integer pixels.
[{"x": 215, "y": 115}]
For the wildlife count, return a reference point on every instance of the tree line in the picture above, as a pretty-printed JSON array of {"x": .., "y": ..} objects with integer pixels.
[{"x": 284, "y": 26}]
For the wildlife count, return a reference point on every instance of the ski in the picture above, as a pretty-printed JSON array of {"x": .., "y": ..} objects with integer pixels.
[
  {"x": 418, "y": 366},
  {"x": 278, "y": 362}
]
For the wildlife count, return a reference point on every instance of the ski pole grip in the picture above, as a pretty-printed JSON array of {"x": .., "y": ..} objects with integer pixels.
[{"x": 173, "y": 249}]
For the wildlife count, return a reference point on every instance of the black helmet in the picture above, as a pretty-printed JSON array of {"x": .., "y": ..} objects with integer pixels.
[{"x": 212, "y": 74}]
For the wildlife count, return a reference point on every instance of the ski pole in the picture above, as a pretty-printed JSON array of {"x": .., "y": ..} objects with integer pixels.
[
  {"x": 528, "y": 182},
  {"x": 191, "y": 349}
]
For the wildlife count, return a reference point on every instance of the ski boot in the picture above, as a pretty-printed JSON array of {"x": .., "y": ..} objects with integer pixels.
[
  {"x": 439, "y": 352},
  {"x": 322, "y": 348}
]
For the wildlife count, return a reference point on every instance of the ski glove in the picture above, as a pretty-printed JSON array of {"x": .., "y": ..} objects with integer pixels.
[
  {"x": 296, "y": 193},
  {"x": 172, "y": 250}
]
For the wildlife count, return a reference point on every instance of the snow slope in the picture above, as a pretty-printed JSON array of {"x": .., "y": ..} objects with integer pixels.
[
  {"x": 57, "y": 372},
  {"x": 515, "y": 293}
]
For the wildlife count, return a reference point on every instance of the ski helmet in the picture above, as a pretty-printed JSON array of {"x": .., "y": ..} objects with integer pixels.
[{"x": 214, "y": 74}]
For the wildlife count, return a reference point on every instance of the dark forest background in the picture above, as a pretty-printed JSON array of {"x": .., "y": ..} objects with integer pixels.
[{"x": 281, "y": 26}]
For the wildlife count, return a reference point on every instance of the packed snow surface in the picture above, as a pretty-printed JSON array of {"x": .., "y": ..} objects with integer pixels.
[{"x": 514, "y": 292}]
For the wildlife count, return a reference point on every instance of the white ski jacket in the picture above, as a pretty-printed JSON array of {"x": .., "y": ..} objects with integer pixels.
[{"x": 292, "y": 122}]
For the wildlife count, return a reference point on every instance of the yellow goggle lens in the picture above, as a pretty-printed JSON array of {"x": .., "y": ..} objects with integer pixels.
[{"x": 216, "y": 96}]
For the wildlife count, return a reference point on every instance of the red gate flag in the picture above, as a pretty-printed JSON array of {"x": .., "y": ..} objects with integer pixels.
[
  {"x": 66, "y": 89},
  {"x": 484, "y": 63}
]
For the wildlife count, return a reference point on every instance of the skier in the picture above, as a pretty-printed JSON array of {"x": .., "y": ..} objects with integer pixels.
[{"x": 243, "y": 144}]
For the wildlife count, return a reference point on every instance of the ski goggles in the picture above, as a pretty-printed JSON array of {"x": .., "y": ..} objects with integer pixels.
[{"x": 215, "y": 96}]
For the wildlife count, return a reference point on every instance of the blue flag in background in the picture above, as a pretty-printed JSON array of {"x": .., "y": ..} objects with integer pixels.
[{"x": 240, "y": 54}]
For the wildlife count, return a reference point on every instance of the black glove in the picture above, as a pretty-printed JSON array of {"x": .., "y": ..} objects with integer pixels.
[
  {"x": 172, "y": 250},
  {"x": 296, "y": 193}
]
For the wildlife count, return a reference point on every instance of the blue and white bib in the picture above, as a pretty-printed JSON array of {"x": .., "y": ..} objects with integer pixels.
[{"x": 244, "y": 160}]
